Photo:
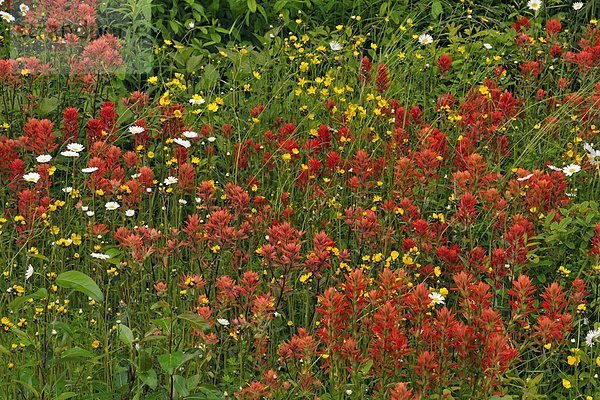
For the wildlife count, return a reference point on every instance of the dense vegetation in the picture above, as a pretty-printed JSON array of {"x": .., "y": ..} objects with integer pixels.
[{"x": 299, "y": 200}]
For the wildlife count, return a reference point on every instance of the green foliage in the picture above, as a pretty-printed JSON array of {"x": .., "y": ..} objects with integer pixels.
[{"x": 81, "y": 282}]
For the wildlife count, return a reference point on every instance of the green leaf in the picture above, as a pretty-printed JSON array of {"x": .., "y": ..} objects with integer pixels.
[
  {"x": 168, "y": 362},
  {"x": 4, "y": 350},
  {"x": 125, "y": 335},
  {"x": 193, "y": 63},
  {"x": 66, "y": 395},
  {"x": 366, "y": 367},
  {"x": 22, "y": 335},
  {"x": 180, "y": 385},
  {"x": 48, "y": 105},
  {"x": 81, "y": 282},
  {"x": 193, "y": 381},
  {"x": 210, "y": 77},
  {"x": 207, "y": 392},
  {"x": 76, "y": 354},
  {"x": 215, "y": 37},
  {"x": 196, "y": 320},
  {"x": 174, "y": 26},
  {"x": 149, "y": 378},
  {"x": 113, "y": 252},
  {"x": 160, "y": 305},
  {"x": 62, "y": 327},
  {"x": 40, "y": 256},
  {"x": 251, "y": 5},
  {"x": 436, "y": 9},
  {"x": 163, "y": 323},
  {"x": 383, "y": 9},
  {"x": 28, "y": 386},
  {"x": 533, "y": 382},
  {"x": 19, "y": 301},
  {"x": 145, "y": 361}
]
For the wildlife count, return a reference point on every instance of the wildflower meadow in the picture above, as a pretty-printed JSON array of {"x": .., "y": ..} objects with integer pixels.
[{"x": 299, "y": 199}]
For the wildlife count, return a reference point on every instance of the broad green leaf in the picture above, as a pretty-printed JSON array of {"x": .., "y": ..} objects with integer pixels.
[
  {"x": 48, "y": 105},
  {"x": 193, "y": 63},
  {"x": 76, "y": 354},
  {"x": 196, "y": 320},
  {"x": 436, "y": 9},
  {"x": 125, "y": 335},
  {"x": 170, "y": 361},
  {"x": 149, "y": 378},
  {"x": 163, "y": 323},
  {"x": 251, "y": 5},
  {"x": 81, "y": 282},
  {"x": 113, "y": 252},
  {"x": 180, "y": 385},
  {"x": 210, "y": 77},
  {"x": 144, "y": 361}
]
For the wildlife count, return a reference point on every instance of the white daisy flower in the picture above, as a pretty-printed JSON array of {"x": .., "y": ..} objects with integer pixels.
[
  {"x": 100, "y": 256},
  {"x": 134, "y": 130},
  {"x": 32, "y": 177},
  {"x": 534, "y": 5},
  {"x": 591, "y": 337},
  {"x": 487, "y": 46},
  {"x": 76, "y": 147},
  {"x": 525, "y": 178},
  {"x": 223, "y": 321},
  {"x": 191, "y": 25},
  {"x": 183, "y": 202},
  {"x": 436, "y": 298},
  {"x": 571, "y": 169},
  {"x": 43, "y": 158},
  {"x": 425, "y": 39},
  {"x": 112, "y": 205},
  {"x": 190, "y": 134},
  {"x": 593, "y": 154},
  {"x": 170, "y": 180},
  {"x": 24, "y": 8},
  {"x": 129, "y": 213},
  {"x": 182, "y": 142},
  {"x": 69, "y": 153},
  {"x": 211, "y": 139},
  {"x": 578, "y": 5},
  {"x": 29, "y": 272},
  {"x": 89, "y": 170},
  {"x": 90, "y": 213},
  {"x": 6, "y": 16},
  {"x": 67, "y": 189},
  {"x": 335, "y": 46}
]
